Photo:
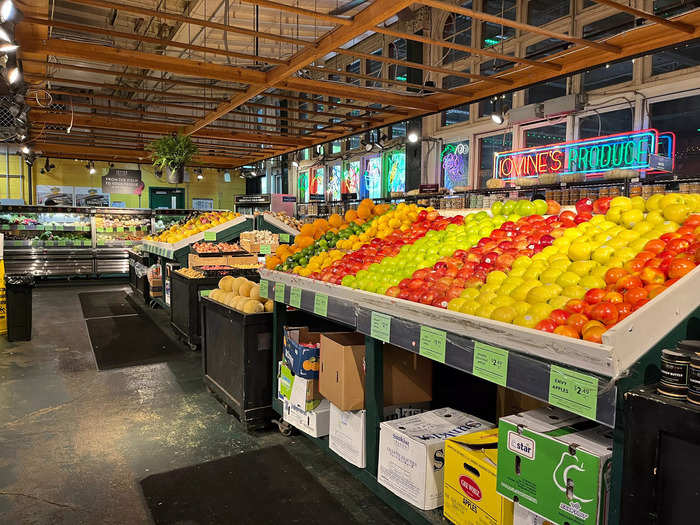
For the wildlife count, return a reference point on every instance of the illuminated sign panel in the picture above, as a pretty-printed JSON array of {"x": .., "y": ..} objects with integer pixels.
[{"x": 637, "y": 150}]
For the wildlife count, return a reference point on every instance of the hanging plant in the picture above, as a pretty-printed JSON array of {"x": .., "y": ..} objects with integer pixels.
[{"x": 172, "y": 152}]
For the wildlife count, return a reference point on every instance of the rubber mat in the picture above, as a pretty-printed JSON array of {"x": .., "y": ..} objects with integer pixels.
[
  {"x": 130, "y": 340},
  {"x": 255, "y": 488},
  {"x": 105, "y": 304}
]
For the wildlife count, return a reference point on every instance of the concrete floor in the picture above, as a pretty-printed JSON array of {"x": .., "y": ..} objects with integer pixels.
[{"x": 74, "y": 442}]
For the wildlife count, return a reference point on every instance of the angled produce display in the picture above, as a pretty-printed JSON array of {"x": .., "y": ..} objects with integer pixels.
[{"x": 194, "y": 225}]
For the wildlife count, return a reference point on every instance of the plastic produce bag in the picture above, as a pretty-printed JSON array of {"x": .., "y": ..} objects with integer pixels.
[{"x": 140, "y": 269}]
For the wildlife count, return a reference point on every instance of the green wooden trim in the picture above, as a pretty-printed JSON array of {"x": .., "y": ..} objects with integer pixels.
[{"x": 374, "y": 400}]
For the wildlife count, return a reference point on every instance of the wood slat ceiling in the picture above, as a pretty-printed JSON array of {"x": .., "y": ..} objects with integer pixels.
[{"x": 121, "y": 74}]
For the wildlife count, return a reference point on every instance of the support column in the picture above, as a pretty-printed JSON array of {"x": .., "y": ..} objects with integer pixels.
[
  {"x": 414, "y": 150},
  {"x": 374, "y": 400}
]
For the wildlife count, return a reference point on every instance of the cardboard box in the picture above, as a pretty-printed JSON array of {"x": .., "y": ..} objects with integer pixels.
[
  {"x": 342, "y": 375},
  {"x": 411, "y": 453},
  {"x": 470, "y": 481},
  {"x": 301, "y": 360},
  {"x": 408, "y": 377},
  {"x": 522, "y": 516},
  {"x": 300, "y": 392},
  {"x": 512, "y": 402},
  {"x": 347, "y": 431},
  {"x": 313, "y": 422},
  {"x": 241, "y": 260},
  {"x": 557, "y": 464},
  {"x": 195, "y": 260}
]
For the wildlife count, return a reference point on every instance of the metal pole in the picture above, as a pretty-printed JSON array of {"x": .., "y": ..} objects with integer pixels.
[
  {"x": 21, "y": 174},
  {"x": 7, "y": 169}
]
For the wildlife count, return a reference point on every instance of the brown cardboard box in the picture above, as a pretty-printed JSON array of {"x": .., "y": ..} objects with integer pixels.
[
  {"x": 512, "y": 402},
  {"x": 195, "y": 260},
  {"x": 408, "y": 378}
]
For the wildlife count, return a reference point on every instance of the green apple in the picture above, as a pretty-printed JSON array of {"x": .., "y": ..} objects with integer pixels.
[
  {"x": 540, "y": 206},
  {"x": 568, "y": 279},
  {"x": 525, "y": 208},
  {"x": 603, "y": 254}
]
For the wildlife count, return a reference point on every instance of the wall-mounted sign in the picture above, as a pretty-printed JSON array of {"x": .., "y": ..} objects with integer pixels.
[
  {"x": 122, "y": 181},
  {"x": 455, "y": 161},
  {"x": 635, "y": 150}
]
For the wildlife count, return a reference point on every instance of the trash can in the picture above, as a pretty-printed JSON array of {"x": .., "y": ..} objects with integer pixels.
[{"x": 19, "y": 307}]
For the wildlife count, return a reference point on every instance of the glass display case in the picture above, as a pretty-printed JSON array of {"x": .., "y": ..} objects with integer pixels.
[{"x": 115, "y": 231}]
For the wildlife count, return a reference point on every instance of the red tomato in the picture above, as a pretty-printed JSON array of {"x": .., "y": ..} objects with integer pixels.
[
  {"x": 575, "y": 306},
  {"x": 634, "y": 266},
  {"x": 679, "y": 267},
  {"x": 613, "y": 297},
  {"x": 634, "y": 295},
  {"x": 614, "y": 274},
  {"x": 623, "y": 310},
  {"x": 678, "y": 245},
  {"x": 546, "y": 325},
  {"x": 559, "y": 316},
  {"x": 655, "y": 246},
  {"x": 693, "y": 221},
  {"x": 651, "y": 275},
  {"x": 594, "y": 295},
  {"x": 645, "y": 256},
  {"x": 627, "y": 282}
]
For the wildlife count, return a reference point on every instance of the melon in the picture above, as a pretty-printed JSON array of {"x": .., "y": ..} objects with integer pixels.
[
  {"x": 238, "y": 302},
  {"x": 269, "y": 305},
  {"x": 225, "y": 283},
  {"x": 254, "y": 292},
  {"x": 252, "y": 306},
  {"x": 237, "y": 282},
  {"x": 244, "y": 289}
]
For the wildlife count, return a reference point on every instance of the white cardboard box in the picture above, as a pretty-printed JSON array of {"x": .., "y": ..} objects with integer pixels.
[
  {"x": 412, "y": 456},
  {"x": 314, "y": 422},
  {"x": 347, "y": 431},
  {"x": 522, "y": 516}
]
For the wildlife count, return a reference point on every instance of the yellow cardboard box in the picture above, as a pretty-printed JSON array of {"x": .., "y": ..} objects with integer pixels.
[{"x": 470, "y": 481}]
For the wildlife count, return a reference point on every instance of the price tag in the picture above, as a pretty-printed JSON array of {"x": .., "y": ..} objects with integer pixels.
[
  {"x": 5, "y": 226},
  {"x": 58, "y": 227},
  {"x": 62, "y": 243},
  {"x": 490, "y": 363},
  {"x": 295, "y": 297},
  {"x": 120, "y": 228},
  {"x": 50, "y": 243},
  {"x": 573, "y": 391},
  {"x": 284, "y": 237},
  {"x": 100, "y": 242},
  {"x": 204, "y": 293},
  {"x": 432, "y": 343},
  {"x": 563, "y": 184},
  {"x": 321, "y": 304},
  {"x": 264, "y": 289},
  {"x": 21, "y": 227},
  {"x": 265, "y": 249},
  {"x": 209, "y": 236},
  {"x": 279, "y": 292},
  {"x": 100, "y": 230},
  {"x": 380, "y": 327}
]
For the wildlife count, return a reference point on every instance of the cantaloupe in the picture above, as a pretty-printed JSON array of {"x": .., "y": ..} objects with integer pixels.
[
  {"x": 253, "y": 307},
  {"x": 237, "y": 282},
  {"x": 217, "y": 294},
  {"x": 244, "y": 289},
  {"x": 269, "y": 305},
  {"x": 254, "y": 292},
  {"x": 226, "y": 297},
  {"x": 225, "y": 283},
  {"x": 238, "y": 302}
]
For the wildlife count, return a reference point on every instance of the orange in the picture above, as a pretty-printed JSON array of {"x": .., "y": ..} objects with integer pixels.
[
  {"x": 321, "y": 225},
  {"x": 367, "y": 202},
  {"x": 350, "y": 215},
  {"x": 335, "y": 220},
  {"x": 272, "y": 261},
  {"x": 307, "y": 229},
  {"x": 303, "y": 241},
  {"x": 319, "y": 233},
  {"x": 364, "y": 211},
  {"x": 359, "y": 221}
]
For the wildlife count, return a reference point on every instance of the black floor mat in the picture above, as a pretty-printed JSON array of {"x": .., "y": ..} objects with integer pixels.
[
  {"x": 255, "y": 488},
  {"x": 105, "y": 304},
  {"x": 128, "y": 341}
]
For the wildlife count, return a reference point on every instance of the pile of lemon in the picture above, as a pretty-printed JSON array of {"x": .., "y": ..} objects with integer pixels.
[
  {"x": 399, "y": 218},
  {"x": 205, "y": 221},
  {"x": 319, "y": 262}
]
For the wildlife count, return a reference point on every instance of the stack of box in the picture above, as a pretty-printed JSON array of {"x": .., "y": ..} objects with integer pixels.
[
  {"x": 411, "y": 453},
  {"x": 298, "y": 382},
  {"x": 407, "y": 383},
  {"x": 556, "y": 464},
  {"x": 155, "y": 281}
]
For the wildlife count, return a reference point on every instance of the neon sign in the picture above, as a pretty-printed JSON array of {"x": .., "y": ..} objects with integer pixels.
[
  {"x": 636, "y": 150},
  {"x": 454, "y": 168}
]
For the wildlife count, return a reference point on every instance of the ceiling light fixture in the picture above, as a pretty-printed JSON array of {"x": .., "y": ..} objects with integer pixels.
[
  {"x": 13, "y": 75},
  {"x": 7, "y": 10},
  {"x": 413, "y": 137},
  {"x": 25, "y": 149},
  {"x": 8, "y": 48},
  {"x": 4, "y": 35}
]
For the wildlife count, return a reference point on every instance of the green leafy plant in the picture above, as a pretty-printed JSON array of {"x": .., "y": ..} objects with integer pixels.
[{"x": 172, "y": 151}]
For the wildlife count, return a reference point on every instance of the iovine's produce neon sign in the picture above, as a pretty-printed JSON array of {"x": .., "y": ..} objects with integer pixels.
[{"x": 636, "y": 150}]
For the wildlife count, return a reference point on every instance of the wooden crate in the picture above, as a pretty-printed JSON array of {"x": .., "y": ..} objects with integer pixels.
[{"x": 195, "y": 260}]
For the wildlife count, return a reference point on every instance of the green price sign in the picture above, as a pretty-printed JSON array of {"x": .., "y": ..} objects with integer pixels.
[
  {"x": 204, "y": 293},
  {"x": 295, "y": 297},
  {"x": 284, "y": 237},
  {"x": 380, "y": 327},
  {"x": 61, "y": 243},
  {"x": 573, "y": 391},
  {"x": 209, "y": 236},
  {"x": 120, "y": 228},
  {"x": 264, "y": 288},
  {"x": 58, "y": 227},
  {"x": 100, "y": 230},
  {"x": 490, "y": 363},
  {"x": 5, "y": 226},
  {"x": 265, "y": 249},
  {"x": 100, "y": 243},
  {"x": 50, "y": 243},
  {"x": 21, "y": 227},
  {"x": 321, "y": 304},
  {"x": 432, "y": 343},
  {"x": 279, "y": 292}
]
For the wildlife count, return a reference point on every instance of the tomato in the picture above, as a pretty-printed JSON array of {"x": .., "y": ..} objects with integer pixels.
[
  {"x": 613, "y": 297},
  {"x": 595, "y": 334},
  {"x": 559, "y": 316},
  {"x": 594, "y": 295},
  {"x": 546, "y": 325},
  {"x": 679, "y": 267},
  {"x": 627, "y": 282},
  {"x": 651, "y": 275},
  {"x": 577, "y": 321},
  {"x": 693, "y": 221},
  {"x": 623, "y": 310},
  {"x": 634, "y": 266},
  {"x": 566, "y": 331},
  {"x": 655, "y": 290},
  {"x": 614, "y": 274},
  {"x": 678, "y": 245},
  {"x": 634, "y": 295},
  {"x": 605, "y": 312},
  {"x": 575, "y": 306},
  {"x": 655, "y": 246},
  {"x": 645, "y": 256}
]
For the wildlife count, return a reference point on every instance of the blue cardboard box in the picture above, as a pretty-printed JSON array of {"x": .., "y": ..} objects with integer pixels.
[{"x": 302, "y": 361}]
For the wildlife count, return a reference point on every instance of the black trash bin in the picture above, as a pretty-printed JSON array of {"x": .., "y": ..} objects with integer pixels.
[{"x": 19, "y": 307}]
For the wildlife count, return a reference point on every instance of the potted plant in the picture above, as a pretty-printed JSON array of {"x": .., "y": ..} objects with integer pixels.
[{"x": 171, "y": 153}]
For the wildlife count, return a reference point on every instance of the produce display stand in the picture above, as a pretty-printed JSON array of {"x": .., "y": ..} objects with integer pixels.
[
  {"x": 269, "y": 222},
  {"x": 236, "y": 357},
  {"x": 178, "y": 252},
  {"x": 586, "y": 378},
  {"x": 139, "y": 284}
]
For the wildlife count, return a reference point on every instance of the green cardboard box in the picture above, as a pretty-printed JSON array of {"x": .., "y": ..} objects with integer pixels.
[{"x": 555, "y": 464}]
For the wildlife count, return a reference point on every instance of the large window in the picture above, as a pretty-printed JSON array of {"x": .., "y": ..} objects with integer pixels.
[
  {"x": 610, "y": 123},
  {"x": 667, "y": 8},
  {"x": 397, "y": 50},
  {"x": 460, "y": 113},
  {"x": 353, "y": 142},
  {"x": 540, "y": 12},
  {"x": 493, "y": 34},
  {"x": 493, "y": 67},
  {"x": 608, "y": 74},
  {"x": 454, "y": 160},
  {"x": 353, "y": 67},
  {"x": 545, "y": 135},
  {"x": 682, "y": 117},
  {"x": 458, "y": 30},
  {"x": 678, "y": 57},
  {"x": 488, "y": 147},
  {"x": 545, "y": 90},
  {"x": 398, "y": 130},
  {"x": 374, "y": 68}
]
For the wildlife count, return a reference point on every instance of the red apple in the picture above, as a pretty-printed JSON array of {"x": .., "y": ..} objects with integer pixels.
[{"x": 605, "y": 312}]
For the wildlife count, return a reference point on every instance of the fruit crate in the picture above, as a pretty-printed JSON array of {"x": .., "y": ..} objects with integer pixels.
[
  {"x": 535, "y": 360},
  {"x": 236, "y": 360}
]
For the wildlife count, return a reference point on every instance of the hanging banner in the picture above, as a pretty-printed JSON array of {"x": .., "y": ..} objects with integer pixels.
[
  {"x": 92, "y": 197},
  {"x": 636, "y": 150},
  {"x": 122, "y": 181}
]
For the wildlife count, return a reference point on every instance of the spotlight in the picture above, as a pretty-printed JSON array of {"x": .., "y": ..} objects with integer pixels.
[
  {"x": 25, "y": 149},
  {"x": 500, "y": 108},
  {"x": 295, "y": 164},
  {"x": 7, "y": 11},
  {"x": 5, "y": 36},
  {"x": 497, "y": 118},
  {"x": 200, "y": 176},
  {"x": 368, "y": 147},
  {"x": 91, "y": 168},
  {"x": 13, "y": 75},
  {"x": 8, "y": 48},
  {"x": 254, "y": 174},
  {"x": 413, "y": 137}
]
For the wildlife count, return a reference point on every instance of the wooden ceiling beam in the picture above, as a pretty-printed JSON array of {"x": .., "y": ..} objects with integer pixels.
[
  {"x": 425, "y": 67},
  {"x": 151, "y": 40},
  {"x": 292, "y": 98},
  {"x": 374, "y": 14},
  {"x": 163, "y": 15},
  {"x": 468, "y": 49},
  {"x": 300, "y": 11},
  {"x": 328, "y": 71},
  {"x": 138, "y": 59},
  {"x": 478, "y": 15},
  {"x": 671, "y": 24},
  {"x": 161, "y": 128}
]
